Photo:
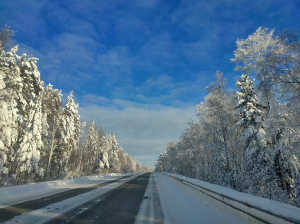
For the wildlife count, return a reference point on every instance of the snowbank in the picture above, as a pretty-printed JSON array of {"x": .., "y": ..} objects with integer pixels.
[
  {"x": 18, "y": 194},
  {"x": 253, "y": 205}
]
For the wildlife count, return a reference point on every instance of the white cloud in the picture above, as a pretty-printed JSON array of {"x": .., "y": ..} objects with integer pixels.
[
  {"x": 161, "y": 81},
  {"x": 92, "y": 98},
  {"x": 143, "y": 130}
]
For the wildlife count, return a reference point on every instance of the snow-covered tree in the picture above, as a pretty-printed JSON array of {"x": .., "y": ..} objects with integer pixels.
[
  {"x": 30, "y": 117},
  {"x": 258, "y": 161},
  {"x": 22, "y": 123},
  {"x": 104, "y": 162},
  {"x": 117, "y": 168},
  {"x": 91, "y": 148},
  {"x": 70, "y": 129},
  {"x": 10, "y": 92},
  {"x": 37, "y": 136},
  {"x": 113, "y": 150},
  {"x": 259, "y": 154},
  {"x": 275, "y": 59},
  {"x": 6, "y": 35},
  {"x": 28, "y": 154},
  {"x": 104, "y": 145},
  {"x": 51, "y": 105},
  {"x": 251, "y": 51},
  {"x": 283, "y": 140},
  {"x": 216, "y": 116}
]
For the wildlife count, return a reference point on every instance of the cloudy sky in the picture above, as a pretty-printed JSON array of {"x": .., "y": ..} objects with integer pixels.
[{"x": 139, "y": 67}]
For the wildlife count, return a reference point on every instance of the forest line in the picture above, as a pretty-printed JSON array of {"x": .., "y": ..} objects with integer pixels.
[
  {"x": 248, "y": 140},
  {"x": 41, "y": 138}
]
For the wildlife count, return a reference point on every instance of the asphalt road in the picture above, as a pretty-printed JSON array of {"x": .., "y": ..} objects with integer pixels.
[
  {"x": 144, "y": 199},
  {"x": 7, "y": 213},
  {"x": 120, "y": 205}
]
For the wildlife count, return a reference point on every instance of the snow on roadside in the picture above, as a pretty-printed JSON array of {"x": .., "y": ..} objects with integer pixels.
[
  {"x": 183, "y": 204},
  {"x": 274, "y": 207},
  {"x": 18, "y": 194},
  {"x": 49, "y": 212}
]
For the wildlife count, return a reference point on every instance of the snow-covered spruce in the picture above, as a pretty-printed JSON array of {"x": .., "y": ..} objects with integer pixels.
[{"x": 40, "y": 139}]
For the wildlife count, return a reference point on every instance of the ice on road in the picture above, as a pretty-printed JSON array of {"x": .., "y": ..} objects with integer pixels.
[{"x": 182, "y": 204}]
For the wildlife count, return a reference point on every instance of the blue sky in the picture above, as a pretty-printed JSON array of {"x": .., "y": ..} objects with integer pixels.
[{"x": 139, "y": 67}]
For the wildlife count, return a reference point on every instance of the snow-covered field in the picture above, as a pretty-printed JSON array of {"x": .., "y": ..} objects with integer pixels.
[{"x": 18, "y": 194}]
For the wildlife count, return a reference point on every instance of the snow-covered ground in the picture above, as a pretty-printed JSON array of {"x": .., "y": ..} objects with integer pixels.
[
  {"x": 179, "y": 204},
  {"x": 275, "y": 207},
  {"x": 19, "y": 194}
]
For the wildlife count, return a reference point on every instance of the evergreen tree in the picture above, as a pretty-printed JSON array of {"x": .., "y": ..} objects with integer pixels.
[
  {"x": 104, "y": 146},
  {"x": 10, "y": 92},
  {"x": 113, "y": 150},
  {"x": 70, "y": 129},
  {"x": 30, "y": 126},
  {"x": 258, "y": 162},
  {"x": 21, "y": 138},
  {"x": 91, "y": 148},
  {"x": 28, "y": 154},
  {"x": 37, "y": 136},
  {"x": 51, "y": 106}
]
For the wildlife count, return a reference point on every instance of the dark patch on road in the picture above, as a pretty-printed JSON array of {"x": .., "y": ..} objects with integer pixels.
[
  {"x": 119, "y": 205},
  {"x": 10, "y": 212}
]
